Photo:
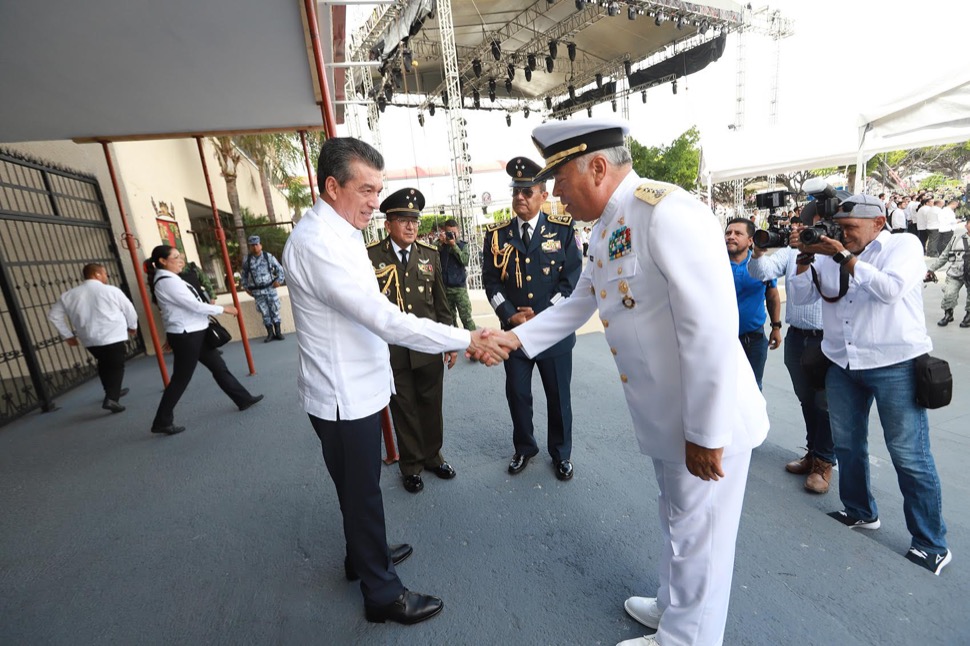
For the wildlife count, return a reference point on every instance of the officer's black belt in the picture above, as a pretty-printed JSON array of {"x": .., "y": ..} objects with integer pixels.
[{"x": 815, "y": 334}]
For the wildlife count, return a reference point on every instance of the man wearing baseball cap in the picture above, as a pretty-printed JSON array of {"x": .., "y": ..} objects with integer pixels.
[
  {"x": 665, "y": 296},
  {"x": 870, "y": 282}
]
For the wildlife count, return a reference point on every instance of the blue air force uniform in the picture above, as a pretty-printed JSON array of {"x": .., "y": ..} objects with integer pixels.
[
  {"x": 536, "y": 275},
  {"x": 260, "y": 271}
]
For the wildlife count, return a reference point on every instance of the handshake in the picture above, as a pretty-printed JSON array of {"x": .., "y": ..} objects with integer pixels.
[{"x": 491, "y": 347}]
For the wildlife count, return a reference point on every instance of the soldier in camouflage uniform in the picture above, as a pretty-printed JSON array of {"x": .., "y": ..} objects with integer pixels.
[
  {"x": 453, "y": 254},
  {"x": 261, "y": 275}
]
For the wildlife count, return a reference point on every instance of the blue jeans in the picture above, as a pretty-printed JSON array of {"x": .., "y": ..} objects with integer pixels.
[
  {"x": 755, "y": 346},
  {"x": 906, "y": 429},
  {"x": 818, "y": 431}
]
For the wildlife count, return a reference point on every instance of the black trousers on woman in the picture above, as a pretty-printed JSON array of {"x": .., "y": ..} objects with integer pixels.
[{"x": 189, "y": 350}]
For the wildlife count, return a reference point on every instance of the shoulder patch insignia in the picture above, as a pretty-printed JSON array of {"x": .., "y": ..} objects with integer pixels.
[
  {"x": 653, "y": 192},
  {"x": 563, "y": 219},
  {"x": 499, "y": 225},
  {"x": 427, "y": 245},
  {"x": 374, "y": 244}
]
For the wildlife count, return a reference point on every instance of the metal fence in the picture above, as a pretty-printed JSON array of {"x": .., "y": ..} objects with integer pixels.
[{"x": 52, "y": 223}]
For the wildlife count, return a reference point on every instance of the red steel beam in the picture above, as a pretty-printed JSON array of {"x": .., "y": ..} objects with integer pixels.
[
  {"x": 221, "y": 237},
  {"x": 131, "y": 242},
  {"x": 326, "y": 108},
  {"x": 309, "y": 167}
]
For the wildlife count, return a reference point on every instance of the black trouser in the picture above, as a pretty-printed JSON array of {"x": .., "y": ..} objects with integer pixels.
[
  {"x": 189, "y": 350},
  {"x": 416, "y": 411},
  {"x": 556, "y": 373},
  {"x": 111, "y": 367},
  {"x": 352, "y": 451}
]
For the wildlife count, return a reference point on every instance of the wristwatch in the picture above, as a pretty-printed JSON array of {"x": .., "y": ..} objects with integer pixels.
[
  {"x": 843, "y": 256},
  {"x": 776, "y": 325}
]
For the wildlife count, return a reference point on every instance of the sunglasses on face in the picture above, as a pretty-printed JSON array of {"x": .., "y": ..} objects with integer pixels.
[{"x": 527, "y": 192}]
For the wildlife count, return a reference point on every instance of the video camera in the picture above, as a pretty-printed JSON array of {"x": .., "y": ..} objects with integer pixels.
[
  {"x": 778, "y": 231},
  {"x": 826, "y": 202}
]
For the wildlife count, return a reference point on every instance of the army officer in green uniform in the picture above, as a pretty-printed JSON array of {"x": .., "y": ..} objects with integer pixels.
[{"x": 409, "y": 274}]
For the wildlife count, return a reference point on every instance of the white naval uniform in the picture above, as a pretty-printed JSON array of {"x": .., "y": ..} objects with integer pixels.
[{"x": 670, "y": 315}]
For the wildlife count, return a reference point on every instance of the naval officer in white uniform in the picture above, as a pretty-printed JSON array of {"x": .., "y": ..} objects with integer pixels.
[{"x": 657, "y": 275}]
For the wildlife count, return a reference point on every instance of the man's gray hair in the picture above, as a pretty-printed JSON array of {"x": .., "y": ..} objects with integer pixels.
[
  {"x": 338, "y": 153},
  {"x": 616, "y": 156}
]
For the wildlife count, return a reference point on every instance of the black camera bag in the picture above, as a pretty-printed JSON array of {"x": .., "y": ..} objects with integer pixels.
[{"x": 934, "y": 382}]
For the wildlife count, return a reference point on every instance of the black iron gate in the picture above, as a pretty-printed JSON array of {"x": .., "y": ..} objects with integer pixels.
[{"x": 52, "y": 223}]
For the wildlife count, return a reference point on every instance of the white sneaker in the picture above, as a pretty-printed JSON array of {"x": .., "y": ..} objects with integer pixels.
[
  {"x": 647, "y": 640},
  {"x": 644, "y": 610}
]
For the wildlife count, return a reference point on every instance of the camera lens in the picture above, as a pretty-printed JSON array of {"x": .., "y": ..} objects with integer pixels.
[{"x": 811, "y": 235}]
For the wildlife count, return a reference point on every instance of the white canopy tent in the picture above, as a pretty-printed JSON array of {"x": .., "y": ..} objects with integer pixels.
[{"x": 935, "y": 115}]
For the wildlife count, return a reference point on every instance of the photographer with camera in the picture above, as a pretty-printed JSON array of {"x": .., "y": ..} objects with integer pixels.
[
  {"x": 804, "y": 334},
  {"x": 453, "y": 254},
  {"x": 872, "y": 313}
]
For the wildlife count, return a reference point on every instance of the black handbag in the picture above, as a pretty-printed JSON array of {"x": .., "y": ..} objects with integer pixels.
[
  {"x": 216, "y": 336},
  {"x": 934, "y": 382}
]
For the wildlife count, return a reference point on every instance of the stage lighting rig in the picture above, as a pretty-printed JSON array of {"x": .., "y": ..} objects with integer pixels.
[
  {"x": 477, "y": 67},
  {"x": 496, "y": 51},
  {"x": 571, "y": 50},
  {"x": 550, "y": 64},
  {"x": 553, "y": 49}
]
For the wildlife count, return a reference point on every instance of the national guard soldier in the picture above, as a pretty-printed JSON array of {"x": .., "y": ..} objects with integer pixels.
[
  {"x": 529, "y": 264},
  {"x": 409, "y": 274},
  {"x": 261, "y": 275}
]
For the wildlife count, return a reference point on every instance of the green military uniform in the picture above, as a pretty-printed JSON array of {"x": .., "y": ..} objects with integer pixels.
[{"x": 416, "y": 407}]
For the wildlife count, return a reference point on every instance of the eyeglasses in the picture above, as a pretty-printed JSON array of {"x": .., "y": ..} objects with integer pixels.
[
  {"x": 527, "y": 192},
  {"x": 407, "y": 223}
]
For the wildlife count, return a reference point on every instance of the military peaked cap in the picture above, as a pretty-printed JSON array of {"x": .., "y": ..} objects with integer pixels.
[{"x": 406, "y": 203}]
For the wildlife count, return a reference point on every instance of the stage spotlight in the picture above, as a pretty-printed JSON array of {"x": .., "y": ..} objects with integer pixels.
[
  {"x": 477, "y": 67},
  {"x": 704, "y": 27},
  {"x": 408, "y": 59},
  {"x": 388, "y": 91},
  {"x": 530, "y": 61},
  {"x": 673, "y": 86},
  {"x": 444, "y": 98},
  {"x": 643, "y": 95},
  {"x": 580, "y": 5},
  {"x": 572, "y": 93},
  {"x": 613, "y": 103},
  {"x": 631, "y": 12},
  {"x": 589, "y": 112},
  {"x": 508, "y": 120},
  {"x": 431, "y": 109},
  {"x": 528, "y": 74},
  {"x": 549, "y": 63},
  {"x": 571, "y": 50},
  {"x": 628, "y": 67},
  {"x": 476, "y": 98},
  {"x": 510, "y": 70},
  {"x": 599, "y": 81},
  {"x": 525, "y": 112},
  {"x": 548, "y": 103},
  {"x": 491, "y": 86},
  {"x": 421, "y": 119},
  {"x": 553, "y": 49},
  {"x": 491, "y": 96},
  {"x": 381, "y": 103},
  {"x": 680, "y": 22},
  {"x": 659, "y": 20},
  {"x": 496, "y": 51},
  {"x": 613, "y": 9},
  {"x": 508, "y": 86}
]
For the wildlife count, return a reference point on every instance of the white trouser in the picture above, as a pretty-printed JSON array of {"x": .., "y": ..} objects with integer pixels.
[{"x": 699, "y": 521}]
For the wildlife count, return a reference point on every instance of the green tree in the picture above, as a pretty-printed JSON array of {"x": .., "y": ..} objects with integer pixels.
[
  {"x": 274, "y": 154},
  {"x": 677, "y": 163},
  {"x": 229, "y": 157}
]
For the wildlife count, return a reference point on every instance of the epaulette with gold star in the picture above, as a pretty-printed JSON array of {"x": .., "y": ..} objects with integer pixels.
[
  {"x": 653, "y": 192},
  {"x": 499, "y": 225},
  {"x": 427, "y": 245},
  {"x": 563, "y": 219}
]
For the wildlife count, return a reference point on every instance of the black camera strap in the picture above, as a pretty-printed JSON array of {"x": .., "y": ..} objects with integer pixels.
[{"x": 843, "y": 284}]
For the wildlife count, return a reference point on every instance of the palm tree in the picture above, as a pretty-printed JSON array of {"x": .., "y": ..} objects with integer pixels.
[
  {"x": 229, "y": 158},
  {"x": 273, "y": 154}
]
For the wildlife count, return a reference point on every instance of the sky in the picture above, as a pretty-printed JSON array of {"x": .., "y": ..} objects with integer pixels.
[{"x": 846, "y": 57}]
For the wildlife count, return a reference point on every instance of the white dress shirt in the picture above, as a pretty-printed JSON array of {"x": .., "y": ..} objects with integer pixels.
[
  {"x": 782, "y": 263},
  {"x": 344, "y": 323},
  {"x": 670, "y": 315},
  {"x": 932, "y": 216},
  {"x": 898, "y": 218},
  {"x": 100, "y": 314},
  {"x": 181, "y": 310},
  {"x": 947, "y": 219},
  {"x": 879, "y": 322}
]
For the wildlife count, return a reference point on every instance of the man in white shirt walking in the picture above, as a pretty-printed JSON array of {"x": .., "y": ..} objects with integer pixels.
[
  {"x": 343, "y": 326},
  {"x": 101, "y": 318},
  {"x": 872, "y": 316}
]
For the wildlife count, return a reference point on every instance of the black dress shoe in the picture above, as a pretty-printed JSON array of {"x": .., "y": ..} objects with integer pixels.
[
  {"x": 398, "y": 553},
  {"x": 409, "y": 608},
  {"x": 124, "y": 391},
  {"x": 255, "y": 400},
  {"x": 414, "y": 483},
  {"x": 518, "y": 463},
  {"x": 564, "y": 470},
  {"x": 444, "y": 471},
  {"x": 113, "y": 406},
  {"x": 168, "y": 430}
]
